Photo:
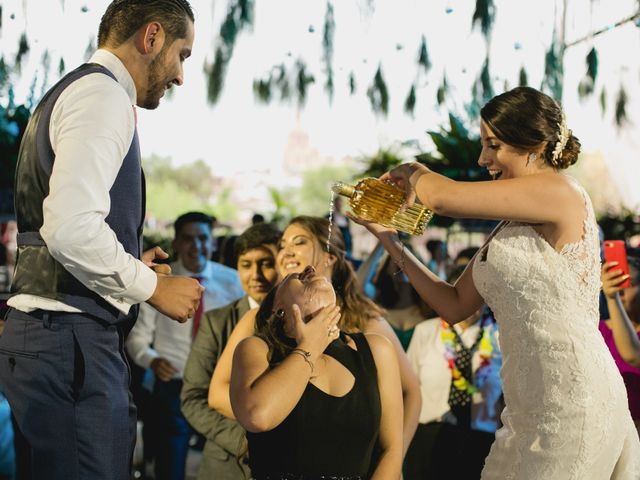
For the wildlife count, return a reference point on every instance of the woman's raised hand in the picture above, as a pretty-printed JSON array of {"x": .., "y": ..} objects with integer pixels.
[
  {"x": 315, "y": 335},
  {"x": 612, "y": 278},
  {"x": 405, "y": 177}
]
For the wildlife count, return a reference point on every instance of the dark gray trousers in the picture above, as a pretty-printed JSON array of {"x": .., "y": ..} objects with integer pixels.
[{"x": 67, "y": 381}]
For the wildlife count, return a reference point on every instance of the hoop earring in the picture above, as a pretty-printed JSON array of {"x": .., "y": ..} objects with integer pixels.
[{"x": 531, "y": 158}]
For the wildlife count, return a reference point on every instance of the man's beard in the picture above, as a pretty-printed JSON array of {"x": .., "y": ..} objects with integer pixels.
[{"x": 155, "y": 85}]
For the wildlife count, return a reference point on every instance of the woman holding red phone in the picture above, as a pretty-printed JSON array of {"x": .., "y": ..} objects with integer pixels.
[
  {"x": 566, "y": 414},
  {"x": 622, "y": 330}
]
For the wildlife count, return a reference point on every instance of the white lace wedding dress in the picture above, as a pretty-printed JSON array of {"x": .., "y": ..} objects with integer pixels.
[{"x": 566, "y": 414}]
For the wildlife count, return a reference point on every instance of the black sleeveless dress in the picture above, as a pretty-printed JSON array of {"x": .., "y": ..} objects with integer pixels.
[{"x": 325, "y": 437}]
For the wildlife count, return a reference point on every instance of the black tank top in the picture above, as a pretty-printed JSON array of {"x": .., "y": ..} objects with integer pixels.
[{"x": 325, "y": 435}]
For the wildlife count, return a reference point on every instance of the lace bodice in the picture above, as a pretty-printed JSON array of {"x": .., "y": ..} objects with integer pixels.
[{"x": 560, "y": 382}]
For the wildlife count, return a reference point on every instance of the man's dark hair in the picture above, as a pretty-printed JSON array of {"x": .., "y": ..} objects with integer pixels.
[
  {"x": 257, "y": 218},
  {"x": 124, "y": 17},
  {"x": 191, "y": 217},
  {"x": 257, "y": 236}
]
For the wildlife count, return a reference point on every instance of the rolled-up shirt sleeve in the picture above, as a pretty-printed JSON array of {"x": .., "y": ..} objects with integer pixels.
[{"x": 91, "y": 130}]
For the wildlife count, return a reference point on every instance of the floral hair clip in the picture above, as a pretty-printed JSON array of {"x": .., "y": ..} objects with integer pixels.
[{"x": 563, "y": 137}]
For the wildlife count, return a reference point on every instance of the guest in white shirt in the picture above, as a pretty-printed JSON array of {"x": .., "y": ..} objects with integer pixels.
[
  {"x": 158, "y": 343},
  {"x": 459, "y": 371},
  {"x": 79, "y": 273}
]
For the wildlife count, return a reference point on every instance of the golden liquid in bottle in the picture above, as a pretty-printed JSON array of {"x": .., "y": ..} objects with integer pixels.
[{"x": 380, "y": 202}]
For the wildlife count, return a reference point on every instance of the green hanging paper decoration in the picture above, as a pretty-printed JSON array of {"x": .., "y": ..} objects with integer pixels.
[
  {"x": 216, "y": 73},
  {"x": 603, "y": 101},
  {"x": 442, "y": 90},
  {"x": 4, "y": 73},
  {"x": 352, "y": 84},
  {"x": 410, "y": 102},
  {"x": 484, "y": 15},
  {"x": 553, "y": 70},
  {"x": 587, "y": 84},
  {"x": 23, "y": 49},
  {"x": 61, "y": 67},
  {"x": 282, "y": 82},
  {"x": 239, "y": 16},
  {"x": 592, "y": 64},
  {"x": 423, "y": 55},
  {"x": 485, "y": 81},
  {"x": 302, "y": 82},
  {"x": 327, "y": 47},
  {"x": 378, "y": 94},
  {"x": 523, "y": 81},
  {"x": 46, "y": 67},
  {"x": 88, "y": 52},
  {"x": 621, "y": 107},
  {"x": 262, "y": 90}
]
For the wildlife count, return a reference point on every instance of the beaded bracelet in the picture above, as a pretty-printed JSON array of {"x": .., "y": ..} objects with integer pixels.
[{"x": 304, "y": 354}]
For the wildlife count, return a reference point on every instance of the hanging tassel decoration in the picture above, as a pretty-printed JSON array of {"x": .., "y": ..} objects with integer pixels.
[
  {"x": 352, "y": 84},
  {"x": 484, "y": 15},
  {"x": 423, "y": 56},
  {"x": 302, "y": 82},
  {"x": 410, "y": 102},
  {"x": 523, "y": 80},
  {"x": 553, "y": 70},
  {"x": 621, "y": 107},
  {"x": 378, "y": 94},
  {"x": 327, "y": 47},
  {"x": 23, "y": 49},
  {"x": 442, "y": 90},
  {"x": 485, "y": 81},
  {"x": 239, "y": 17},
  {"x": 603, "y": 101}
]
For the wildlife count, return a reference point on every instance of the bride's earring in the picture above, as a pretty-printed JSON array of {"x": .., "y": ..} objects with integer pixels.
[{"x": 531, "y": 158}]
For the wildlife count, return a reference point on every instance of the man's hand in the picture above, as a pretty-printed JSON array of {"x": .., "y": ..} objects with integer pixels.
[
  {"x": 163, "y": 369},
  {"x": 176, "y": 297},
  {"x": 150, "y": 256}
]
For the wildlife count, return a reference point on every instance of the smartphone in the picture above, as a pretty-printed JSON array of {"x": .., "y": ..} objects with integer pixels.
[{"x": 614, "y": 251}]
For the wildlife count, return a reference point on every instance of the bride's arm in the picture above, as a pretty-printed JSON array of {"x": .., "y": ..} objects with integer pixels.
[
  {"x": 539, "y": 198},
  {"x": 454, "y": 302}
]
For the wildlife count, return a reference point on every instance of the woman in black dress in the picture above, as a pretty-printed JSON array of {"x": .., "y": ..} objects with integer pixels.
[{"x": 316, "y": 403}]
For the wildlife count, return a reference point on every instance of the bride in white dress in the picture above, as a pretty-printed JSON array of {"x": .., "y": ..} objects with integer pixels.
[{"x": 566, "y": 414}]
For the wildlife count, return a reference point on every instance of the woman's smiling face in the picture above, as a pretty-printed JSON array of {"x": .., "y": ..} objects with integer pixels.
[{"x": 298, "y": 249}]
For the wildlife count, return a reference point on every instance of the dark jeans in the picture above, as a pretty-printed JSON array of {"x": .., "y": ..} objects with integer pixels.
[
  {"x": 441, "y": 450},
  {"x": 171, "y": 431},
  {"x": 67, "y": 381}
]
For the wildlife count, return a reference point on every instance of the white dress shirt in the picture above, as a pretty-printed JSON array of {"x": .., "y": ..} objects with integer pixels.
[
  {"x": 91, "y": 129},
  {"x": 426, "y": 354},
  {"x": 155, "y": 335}
]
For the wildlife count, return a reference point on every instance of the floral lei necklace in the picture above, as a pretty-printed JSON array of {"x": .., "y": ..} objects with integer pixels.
[{"x": 485, "y": 350}]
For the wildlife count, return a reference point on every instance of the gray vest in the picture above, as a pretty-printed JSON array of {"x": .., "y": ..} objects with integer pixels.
[{"x": 37, "y": 272}]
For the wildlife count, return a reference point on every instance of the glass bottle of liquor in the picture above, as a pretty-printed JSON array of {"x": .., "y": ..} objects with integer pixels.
[{"x": 380, "y": 202}]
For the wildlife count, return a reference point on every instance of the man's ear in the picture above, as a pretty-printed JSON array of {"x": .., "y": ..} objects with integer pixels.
[{"x": 151, "y": 38}]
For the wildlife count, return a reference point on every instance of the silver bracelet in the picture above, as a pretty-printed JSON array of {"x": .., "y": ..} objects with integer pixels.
[
  {"x": 305, "y": 355},
  {"x": 400, "y": 264}
]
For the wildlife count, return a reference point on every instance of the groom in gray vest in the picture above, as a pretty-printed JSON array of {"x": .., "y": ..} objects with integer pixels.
[{"x": 80, "y": 273}]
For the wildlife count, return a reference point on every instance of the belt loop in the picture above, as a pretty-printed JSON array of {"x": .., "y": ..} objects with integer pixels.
[{"x": 46, "y": 320}]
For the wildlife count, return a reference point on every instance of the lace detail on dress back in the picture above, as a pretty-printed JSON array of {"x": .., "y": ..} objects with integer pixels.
[{"x": 565, "y": 399}]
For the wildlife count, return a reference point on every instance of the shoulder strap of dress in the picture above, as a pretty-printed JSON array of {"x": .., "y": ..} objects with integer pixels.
[{"x": 364, "y": 349}]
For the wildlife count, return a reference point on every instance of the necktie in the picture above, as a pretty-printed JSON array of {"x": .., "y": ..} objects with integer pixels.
[
  {"x": 198, "y": 314},
  {"x": 460, "y": 400}
]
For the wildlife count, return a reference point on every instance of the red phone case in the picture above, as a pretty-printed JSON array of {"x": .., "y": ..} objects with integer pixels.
[{"x": 614, "y": 251}]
